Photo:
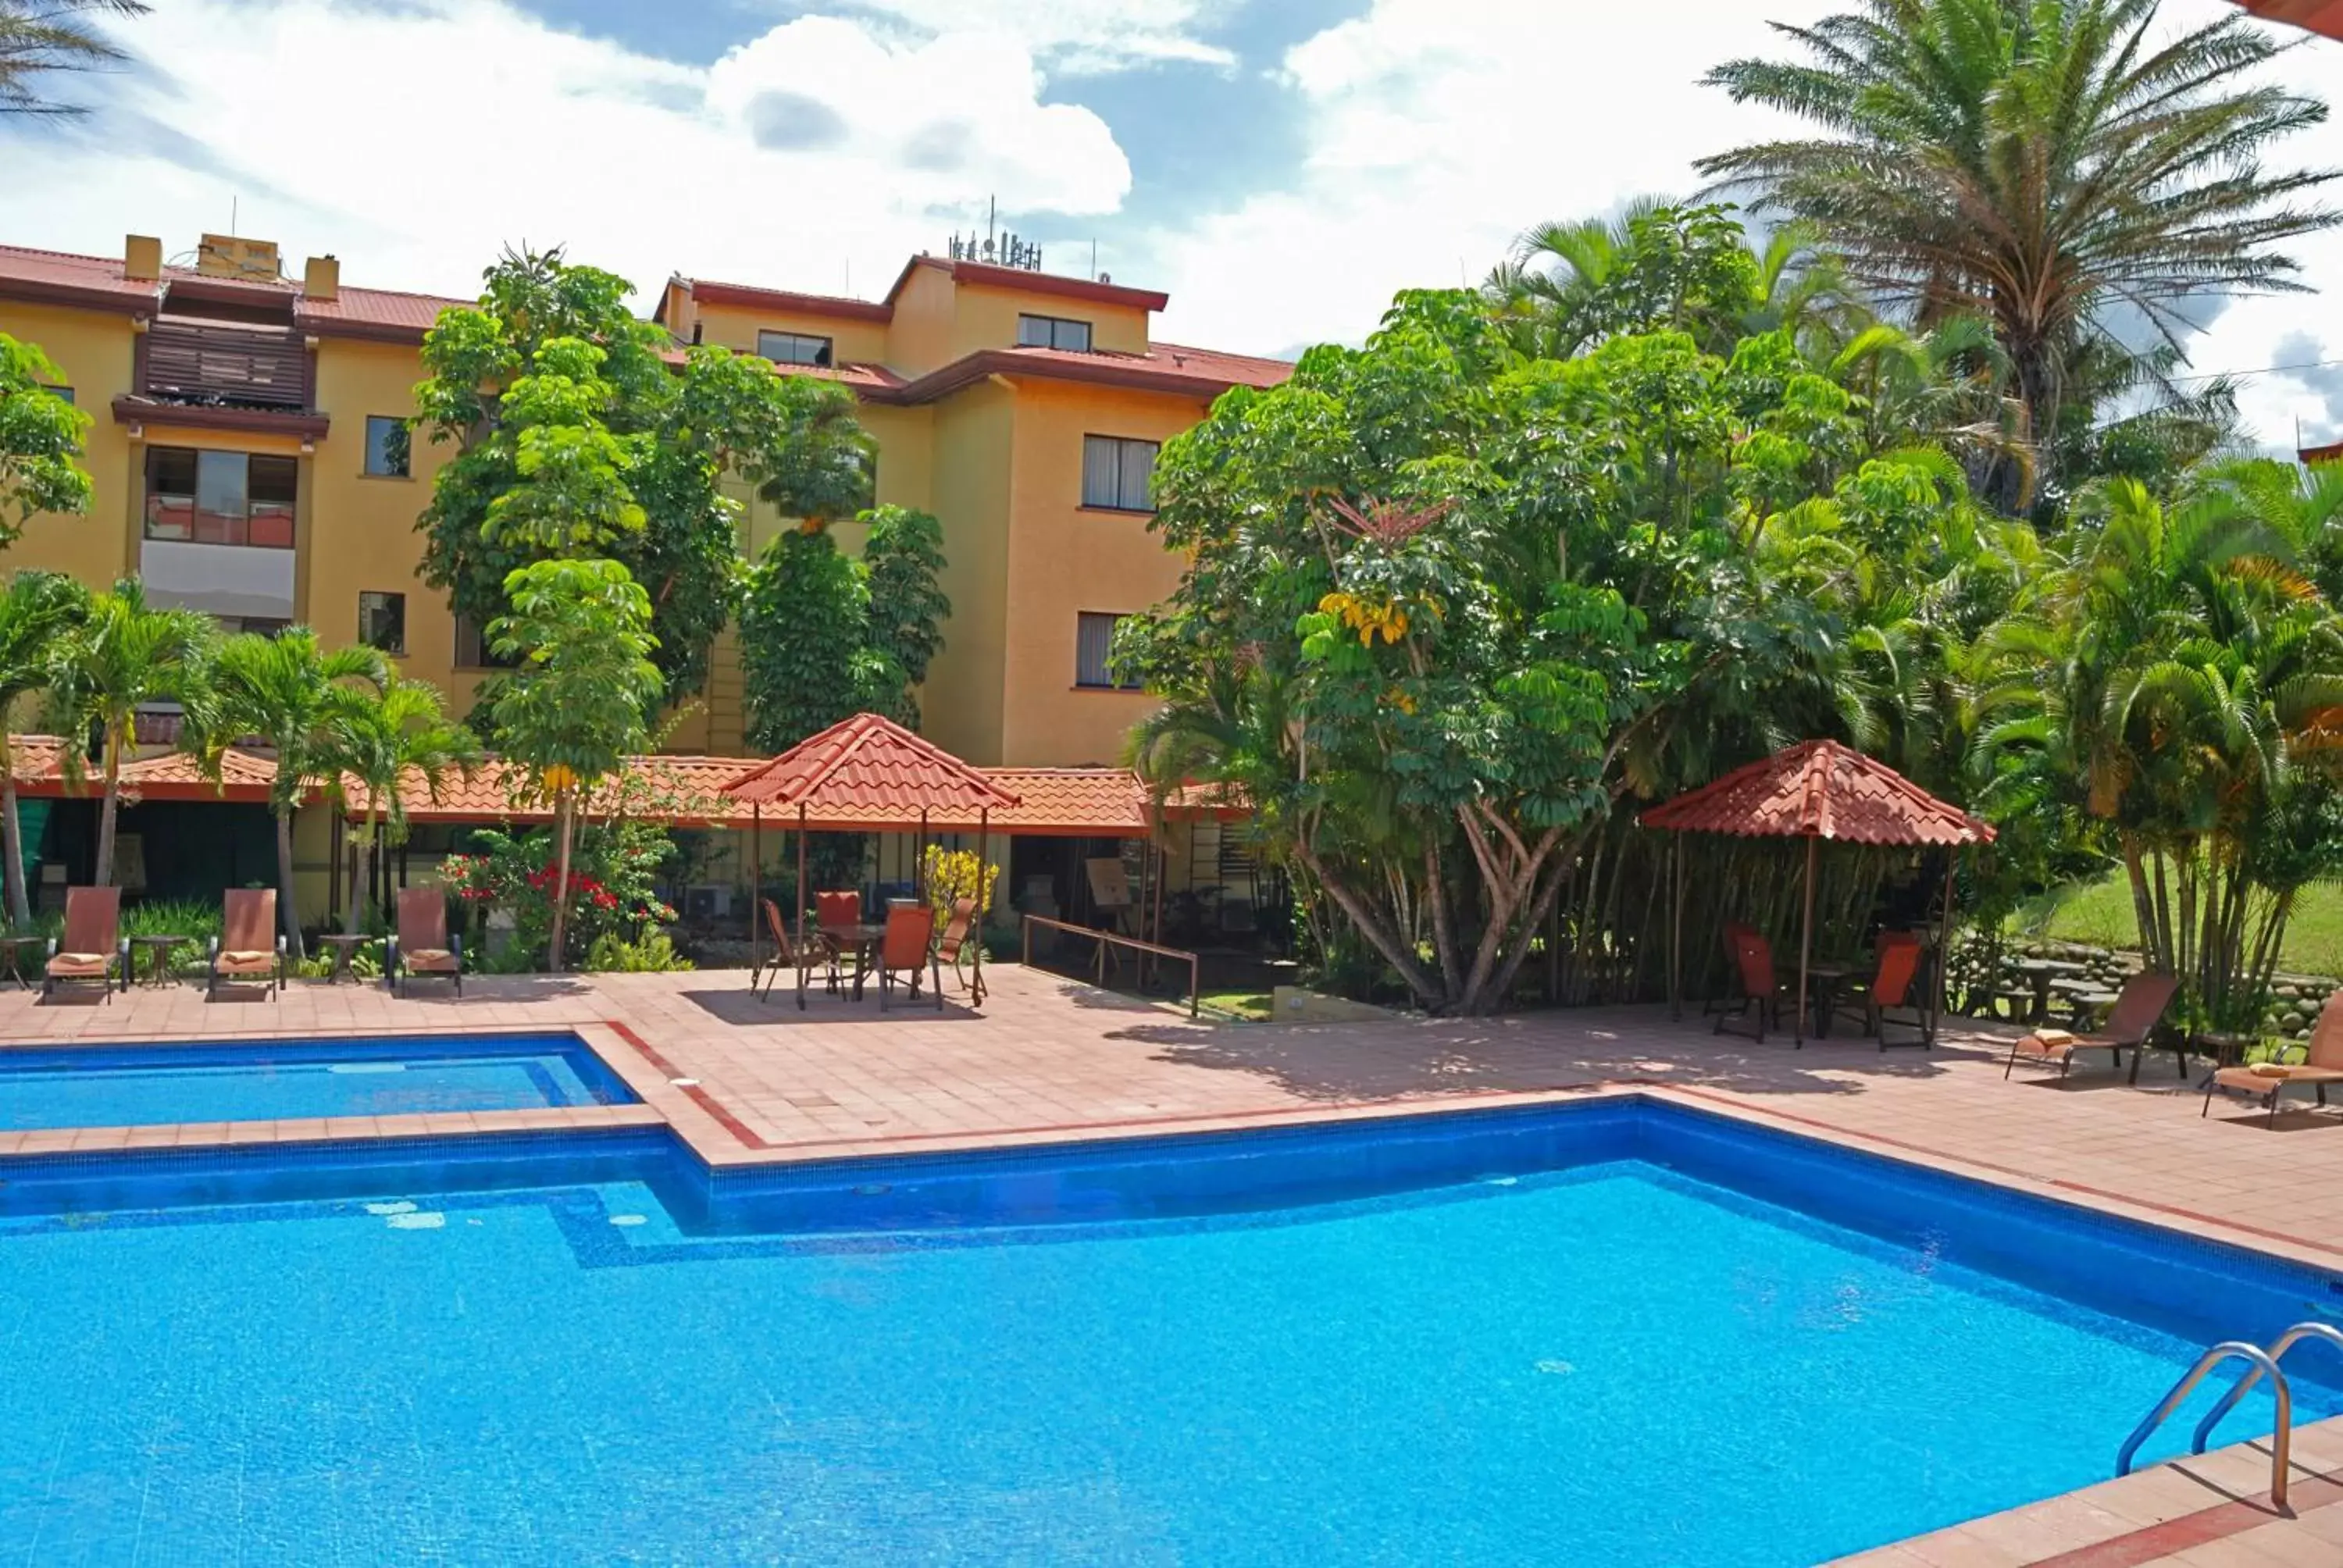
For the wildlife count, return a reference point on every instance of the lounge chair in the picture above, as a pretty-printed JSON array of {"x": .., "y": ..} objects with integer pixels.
[
  {"x": 249, "y": 946},
  {"x": 785, "y": 956},
  {"x": 423, "y": 946},
  {"x": 2138, "y": 1008},
  {"x": 1889, "y": 990},
  {"x": 955, "y": 951},
  {"x": 2322, "y": 1064},
  {"x": 1762, "y": 995},
  {"x": 907, "y": 948},
  {"x": 94, "y": 947}
]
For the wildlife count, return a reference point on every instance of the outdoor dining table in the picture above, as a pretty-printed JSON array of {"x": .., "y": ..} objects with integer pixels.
[
  {"x": 2039, "y": 973},
  {"x": 1827, "y": 978},
  {"x": 862, "y": 940}
]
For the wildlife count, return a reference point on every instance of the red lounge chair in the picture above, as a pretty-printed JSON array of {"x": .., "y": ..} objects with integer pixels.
[
  {"x": 2138, "y": 1009},
  {"x": 785, "y": 956},
  {"x": 1762, "y": 998},
  {"x": 956, "y": 951},
  {"x": 94, "y": 947},
  {"x": 906, "y": 948},
  {"x": 249, "y": 946},
  {"x": 423, "y": 946},
  {"x": 1889, "y": 990},
  {"x": 2321, "y": 1065}
]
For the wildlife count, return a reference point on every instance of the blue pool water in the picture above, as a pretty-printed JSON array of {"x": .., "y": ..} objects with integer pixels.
[
  {"x": 1599, "y": 1336},
  {"x": 286, "y": 1079}
]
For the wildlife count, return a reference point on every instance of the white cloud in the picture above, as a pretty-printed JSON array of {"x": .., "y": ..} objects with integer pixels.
[
  {"x": 415, "y": 142},
  {"x": 1076, "y": 36}
]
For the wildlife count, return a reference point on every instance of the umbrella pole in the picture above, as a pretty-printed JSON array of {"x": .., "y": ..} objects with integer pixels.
[
  {"x": 802, "y": 903},
  {"x": 1806, "y": 942},
  {"x": 920, "y": 871},
  {"x": 1944, "y": 945},
  {"x": 976, "y": 927},
  {"x": 1675, "y": 936},
  {"x": 756, "y": 886}
]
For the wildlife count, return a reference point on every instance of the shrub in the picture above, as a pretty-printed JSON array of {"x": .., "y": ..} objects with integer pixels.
[
  {"x": 952, "y": 875},
  {"x": 654, "y": 954}
]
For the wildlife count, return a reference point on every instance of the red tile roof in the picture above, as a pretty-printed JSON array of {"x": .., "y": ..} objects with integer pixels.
[
  {"x": 685, "y": 790},
  {"x": 1089, "y": 802},
  {"x": 245, "y": 777},
  {"x": 708, "y": 291},
  {"x": 2315, "y": 16},
  {"x": 1820, "y": 788},
  {"x": 1201, "y": 373},
  {"x": 97, "y": 281},
  {"x": 868, "y": 771}
]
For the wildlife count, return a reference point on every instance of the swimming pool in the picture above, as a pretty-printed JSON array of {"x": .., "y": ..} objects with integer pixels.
[
  {"x": 1611, "y": 1333},
  {"x": 282, "y": 1080}
]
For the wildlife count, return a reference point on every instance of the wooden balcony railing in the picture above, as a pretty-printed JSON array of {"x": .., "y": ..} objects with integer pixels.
[{"x": 224, "y": 367}]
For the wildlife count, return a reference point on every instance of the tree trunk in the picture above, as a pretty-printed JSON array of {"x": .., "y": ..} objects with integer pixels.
[
  {"x": 12, "y": 838},
  {"x": 1378, "y": 935},
  {"x": 105, "y": 875},
  {"x": 2143, "y": 905},
  {"x": 288, "y": 915},
  {"x": 362, "y": 883},
  {"x": 561, "y": 811}
]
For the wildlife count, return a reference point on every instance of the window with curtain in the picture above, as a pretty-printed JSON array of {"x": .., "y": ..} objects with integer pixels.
[
  {"x": 207, "y": 498},
  {"x": 1119, "y": 474},
  {"x": 1093, "y": 640}
]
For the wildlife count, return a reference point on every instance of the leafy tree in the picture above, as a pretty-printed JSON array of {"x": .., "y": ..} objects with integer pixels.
[
  {"x": 2043, "y": 163},
  {"x": 824, "y": 637},
  {"x": 578, "y": 433},
  {"x": 40, "y": 433},
  {"x": 119, "y": 656},
  {"x": 38, "y": 38},
  {"x": 574, "y": 706},
  {"x": 401, "y": 733},
  {"x": 37, "y": 610},
  {"x": 304, "y": 703}
]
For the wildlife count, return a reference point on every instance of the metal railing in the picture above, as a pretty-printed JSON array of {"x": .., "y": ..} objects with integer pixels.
[
  {"x": 2281, "y": 1435},
  {"x": 1113, "y": 939},
  {"x": 2327, "y": 1333}
]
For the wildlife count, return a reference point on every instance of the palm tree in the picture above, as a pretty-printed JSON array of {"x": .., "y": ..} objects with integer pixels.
[
  {"x": 288, "y": 692},
  {"x": 42, "y": 35},
  {"x": 2043, "y": 164},
  {"x": 401, "y": 734},
  {"x": 38, "y": 609},
  {"x": 120, "y": 656}
]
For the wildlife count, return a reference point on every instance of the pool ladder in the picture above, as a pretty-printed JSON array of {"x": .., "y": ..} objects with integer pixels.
[{"x": 2259, "y": 1363}]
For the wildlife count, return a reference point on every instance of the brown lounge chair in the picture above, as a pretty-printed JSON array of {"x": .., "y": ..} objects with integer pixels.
[
  {"x": 249, "y": 946},
  {"x": 423, "y": 946},
  {"x": 907, "y": 948},
  {"x": 94, "y": 947},
  {"x": 1762, "y": 994},
  {"x": 1889, "y": 990},
  {"x": 2138, "y": 1009},
  {"x": 956, "y": 951},
  {"x": 2322, "y": 1064}
]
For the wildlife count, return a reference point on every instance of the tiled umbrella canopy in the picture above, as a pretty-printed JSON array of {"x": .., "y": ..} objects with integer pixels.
[
  {"x": 1821, "y": 789},
  {"x": 868, "y": 772}
]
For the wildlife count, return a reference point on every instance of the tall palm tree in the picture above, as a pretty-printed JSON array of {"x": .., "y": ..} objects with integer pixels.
[
  {"x": 288, "y": 692},
  {"x": 402, "y": 734},
  {"x": 38, "y": 609},
  {"x": 120, "y": 656},
  {"x": 2045, "y": 164},
  {"x": 38, "y": 36}
]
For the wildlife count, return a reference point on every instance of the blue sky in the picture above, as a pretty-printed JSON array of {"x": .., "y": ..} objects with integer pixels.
[{"x": 1280, "y": 166}]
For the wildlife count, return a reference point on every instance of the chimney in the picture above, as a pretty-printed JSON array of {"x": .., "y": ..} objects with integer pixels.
[
  {"x": 321, "y": 278},
  {"x": 142, "y": 259}
]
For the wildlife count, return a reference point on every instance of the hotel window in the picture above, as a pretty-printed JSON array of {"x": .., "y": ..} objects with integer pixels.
[
  {"x": 382, "y": 621},
  {"x": 386, "y": 449},
  {"x": 472, "y": 649},
  {"x": 794, "y": 348},
  {"x": 1054, "y": 332},
  {"x": 1118, "y": 475},
  {"x": 64, "y": 392},
  {"x": 1093, "y": 641},
  {"x": 207, "y": 498}
]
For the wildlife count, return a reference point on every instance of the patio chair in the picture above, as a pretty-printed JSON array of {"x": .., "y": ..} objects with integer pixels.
[
  {"x": 1731, "y": 934},
  {"x": 786, "y": 956},
  {"x": 2138, "y": 1008},
  {"x": 1761, "y": 993},
  {"x": 423, "y": 945},
  {"x": 955, "y": 949},
  {"x": 2321, "y": 1064},
  {"x": 907, "y": 949},
  {"x": 94, "y": 947},
  {"x": 249, "y": 946},
  {"x": 1889, "y": 990}
]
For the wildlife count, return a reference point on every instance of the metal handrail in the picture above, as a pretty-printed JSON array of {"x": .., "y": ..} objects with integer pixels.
[
  {"x": 2326, "y": 1333},
  {"x": 2228, "y": 1350},
  {"x": 1117, "y": 939}
]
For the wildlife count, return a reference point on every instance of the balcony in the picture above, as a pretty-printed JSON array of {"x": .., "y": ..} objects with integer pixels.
[{"x": 221, "y": 376}]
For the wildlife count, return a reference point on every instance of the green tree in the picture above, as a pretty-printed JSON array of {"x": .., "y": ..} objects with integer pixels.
[
  {"x": 44, "y": 37},
  {"x": 578, "y": 433},
  {"x": 301, "y": 701},
  {"x": 40, "y": 433},
  {"x": 2046, "y": 164},
  {"x": 574, "y": 704},
  {"x": 401, "y": 734},
  {"x": 120, "y": 655},
  {"x": 38, "y": 610},
  {"x": 902, "y": 557}
]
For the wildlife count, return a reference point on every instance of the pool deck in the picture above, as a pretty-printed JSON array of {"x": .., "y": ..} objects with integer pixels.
[{"x": 1051, "y": 1059}]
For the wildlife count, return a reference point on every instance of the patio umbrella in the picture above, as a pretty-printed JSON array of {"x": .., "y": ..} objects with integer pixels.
[
  {"x": 1817, "y": 789},
  {"x": 865, "y": 774}
]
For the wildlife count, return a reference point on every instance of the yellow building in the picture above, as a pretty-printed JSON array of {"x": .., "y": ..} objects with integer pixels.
[{"x": 244, "y": 463}]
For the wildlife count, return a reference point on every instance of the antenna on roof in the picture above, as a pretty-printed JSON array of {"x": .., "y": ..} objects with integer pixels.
[{"x": 1093, "y": 255}]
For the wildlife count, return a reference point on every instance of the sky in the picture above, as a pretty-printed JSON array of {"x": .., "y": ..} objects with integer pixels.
[{"x": 1281, "y": 168}]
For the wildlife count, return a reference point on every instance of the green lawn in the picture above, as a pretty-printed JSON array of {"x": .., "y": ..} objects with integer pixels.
[
  {"x": 2101, "y": 915},
  {"x": 1251, "y": 1005}
]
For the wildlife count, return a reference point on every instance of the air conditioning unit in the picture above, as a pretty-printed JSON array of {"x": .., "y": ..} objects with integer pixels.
[{"x": 708, "y": 901}]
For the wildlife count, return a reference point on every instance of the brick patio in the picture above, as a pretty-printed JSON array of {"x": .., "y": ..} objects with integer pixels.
[{"x": 1050, "y": 1060}]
